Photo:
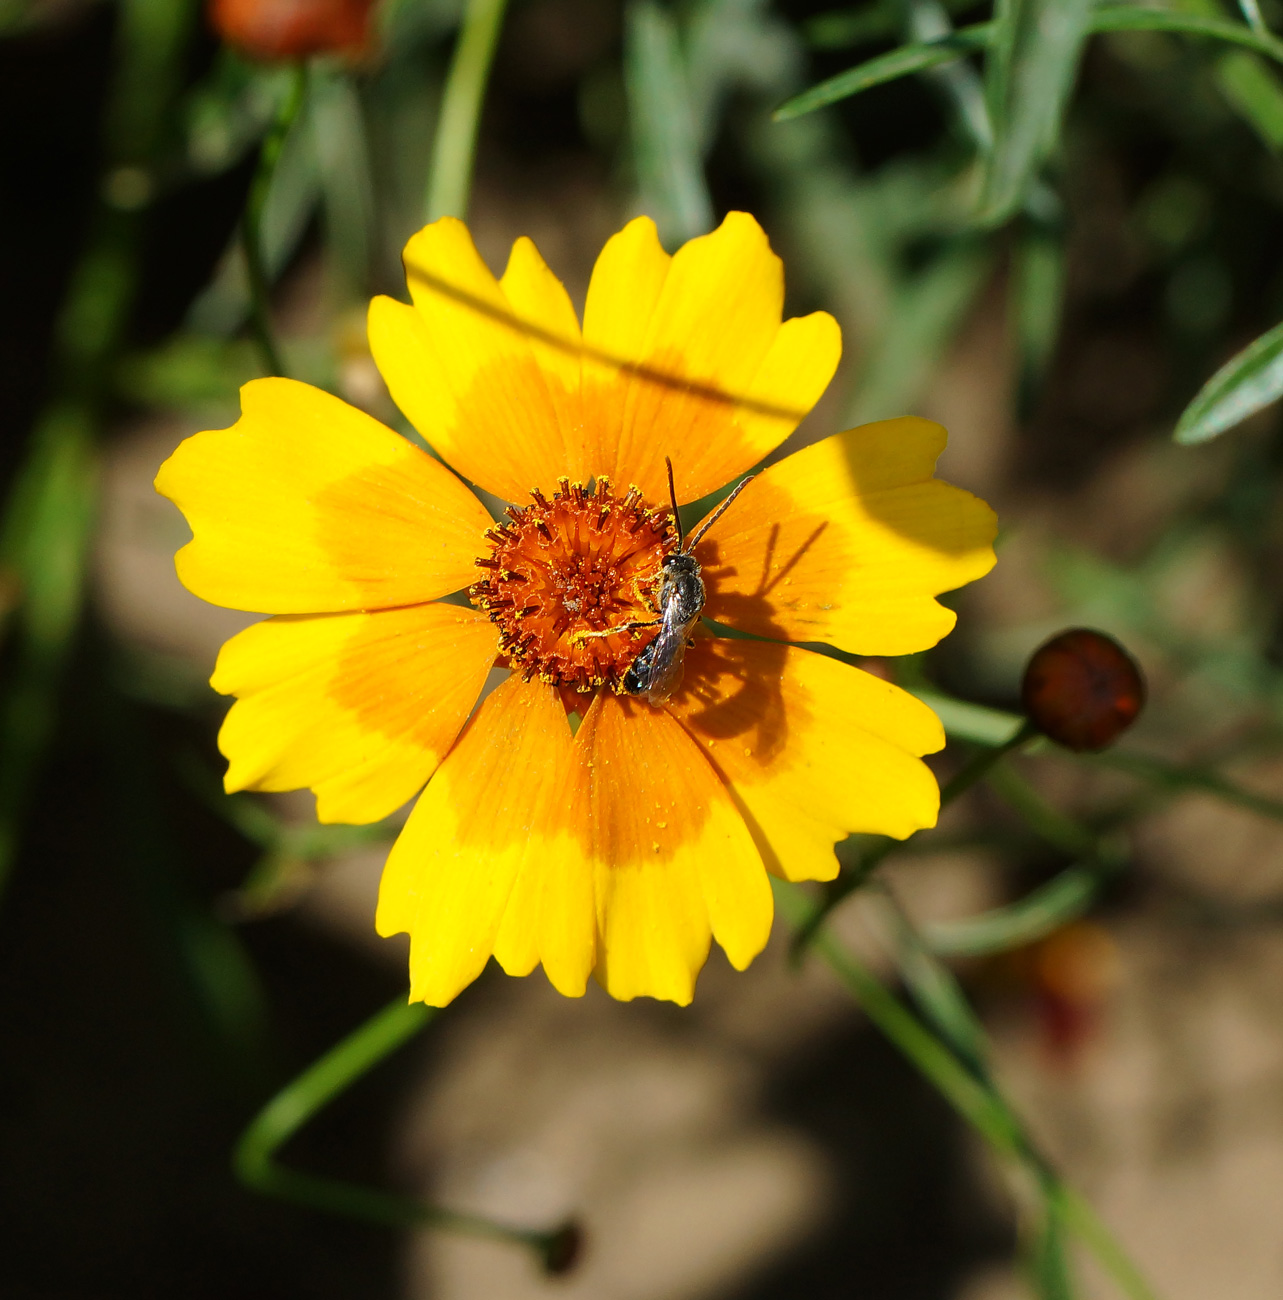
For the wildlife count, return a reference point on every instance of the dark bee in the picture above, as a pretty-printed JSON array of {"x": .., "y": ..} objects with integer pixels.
[{"x": 657, "y": 672}]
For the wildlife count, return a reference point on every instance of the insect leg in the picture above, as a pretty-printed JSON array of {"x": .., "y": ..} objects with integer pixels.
[{"x": 610, "y": 631}]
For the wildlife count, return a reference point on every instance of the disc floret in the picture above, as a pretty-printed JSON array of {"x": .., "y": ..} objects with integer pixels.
[{"x": 568, "y": 580}]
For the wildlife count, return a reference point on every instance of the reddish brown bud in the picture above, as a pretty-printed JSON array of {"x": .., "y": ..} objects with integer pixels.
[
  {"x": 292, "y": 29},
  {"x": 1082, "y": 689},
  {"x": 563, "y": 1248}
]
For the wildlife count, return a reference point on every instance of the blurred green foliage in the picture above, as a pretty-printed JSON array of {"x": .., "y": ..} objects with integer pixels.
[{"x": 1089, "y": 162}]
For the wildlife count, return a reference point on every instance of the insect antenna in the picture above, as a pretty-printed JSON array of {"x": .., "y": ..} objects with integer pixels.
[
  {"x": 672, "y": 496},
  {"x": 717, "y": 514}
]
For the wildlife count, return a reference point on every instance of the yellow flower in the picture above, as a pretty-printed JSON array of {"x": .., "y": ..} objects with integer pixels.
[{"x": 620, "y": 846}]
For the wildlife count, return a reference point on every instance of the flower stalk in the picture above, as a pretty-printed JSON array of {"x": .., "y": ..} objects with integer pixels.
[
  {"x": 254, "y": 1157},
  {"x": 968, "y": 1089},
  {"x": 454, "y": 152}
]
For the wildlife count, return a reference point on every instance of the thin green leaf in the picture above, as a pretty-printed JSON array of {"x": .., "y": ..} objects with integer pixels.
[
  {"x": 1046, "y": 821},
  {"x": 221, "y": 308},
  {"x": 43, "y": 550},
  {"x": 733, "y": 47},
  {"x": 48, "y": 515},
  {"x": 976, "y": 1102},
  {"x": 669, "y": 162},
  {"x": 1047, "y": 908},
  {"x": 226, "y": 114},
  {"x": 1254, "y": 92},
  {"x": 1029, "y": 73},
  {"x": 1082, "y": 1220},
  {"x": 974, "y": 722},
  {"x": 935, "y": 990},
  {"x": 1245, "y": 384},
  {"x": 1049, "y": 1264},
  {"x": 980, "y": 765},
  {"x": 269, "y": 155},
  {"x": 920, "y": 57},
  {"x": 1140, "y": 18},
  {"x": 1174, "y": 777},
  {"x": 886, "y": 67},
  {"x": 958, "y": 83}
]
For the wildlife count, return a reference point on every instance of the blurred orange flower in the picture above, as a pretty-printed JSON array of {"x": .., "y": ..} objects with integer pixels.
[{"x": 293, "y": 29}]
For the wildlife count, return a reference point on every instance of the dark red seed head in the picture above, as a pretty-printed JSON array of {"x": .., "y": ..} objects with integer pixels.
[
  {"x": 1082, "y": 689},
  {"x": 563, "y": 1248}
]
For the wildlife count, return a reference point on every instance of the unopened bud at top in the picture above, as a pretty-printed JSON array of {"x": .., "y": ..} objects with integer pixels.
[{"x": 293, "y": 29}]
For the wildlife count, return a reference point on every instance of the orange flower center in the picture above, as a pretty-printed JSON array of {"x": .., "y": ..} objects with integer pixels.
[{"x": 569, "y": 577}]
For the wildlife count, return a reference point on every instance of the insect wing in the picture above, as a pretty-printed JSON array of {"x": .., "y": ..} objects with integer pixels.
[{"x": 668, "y": 652}]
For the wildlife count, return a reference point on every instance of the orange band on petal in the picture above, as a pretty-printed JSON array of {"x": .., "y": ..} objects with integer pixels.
[
  {"x": 684, "y": 356},
  {"x": 703, "y": 370},
  {"x": 502, "y": 804},
  {"x": 619, "y": 847},
  {"x": 307, "y": 505},
  {"x": 673, "y": 857},
  {"x": 811, "y": 749},
  {"x": 462, "y": 364},
  {"x": 359, "y": 708}
]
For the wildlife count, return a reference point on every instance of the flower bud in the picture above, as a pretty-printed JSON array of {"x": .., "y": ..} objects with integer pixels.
[
  {"x": 1082, "y": 689},
  {"x": 292, "y": 29}
]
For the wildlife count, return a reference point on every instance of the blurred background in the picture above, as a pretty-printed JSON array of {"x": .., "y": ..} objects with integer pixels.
[{"x": 1049, "y": 234}]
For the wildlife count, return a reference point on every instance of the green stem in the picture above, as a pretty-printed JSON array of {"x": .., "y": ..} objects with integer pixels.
[
  {"x": 1048, "y": 823},
  {"x": 254, "y": 1158},
  {"x": 1173, "y": 776},
  {"x": 973, "y": 1096},
  {"x": 836, "y": 891},
  {"x": 1045, "y": 909},
  {"x": 967, "y": 1094},
  {"x": 1082, "y": 1219},
  {"x": 252, "y": 221},
  {"x": 939, "y": 998},
  {"x": 455, "y": 147},
  {"x": 979, "y": 765}
]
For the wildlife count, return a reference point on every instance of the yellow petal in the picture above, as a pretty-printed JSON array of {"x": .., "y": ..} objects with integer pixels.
[
  {"x": 848, "y": 542},
  {"x": 461, "y": 365},
  {"x": 673, "y": 857},
  {"x": 360, "y": 708},
  {"x": 537, "y": 296},
  {"x": 702, "y": 369},
  {"x": 496, "y": 806},
  {"x": 551, "y": 916},
  {"x": 812, "y": 750},
  {"x": 626, "y": 283},
  {"x": 307, "y": 505}
]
